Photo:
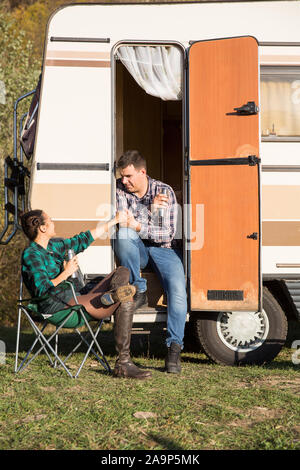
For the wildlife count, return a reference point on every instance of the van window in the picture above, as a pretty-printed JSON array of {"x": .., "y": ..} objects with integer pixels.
[{"x": 280, "y": 103}]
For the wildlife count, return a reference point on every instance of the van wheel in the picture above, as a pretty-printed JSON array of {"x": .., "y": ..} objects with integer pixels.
[{"x": 237, "y": 338}]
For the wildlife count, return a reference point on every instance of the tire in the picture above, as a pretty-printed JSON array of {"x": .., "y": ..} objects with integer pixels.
[{"x": 227, "y": 339}]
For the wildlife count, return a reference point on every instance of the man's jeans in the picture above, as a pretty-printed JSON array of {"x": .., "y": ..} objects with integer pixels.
[{"x": 135, "y": 255}]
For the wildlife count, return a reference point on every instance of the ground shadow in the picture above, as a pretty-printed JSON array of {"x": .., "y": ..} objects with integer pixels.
[
  {"x": 165, "y": 443},
  {"x": 149, "y": 343}
]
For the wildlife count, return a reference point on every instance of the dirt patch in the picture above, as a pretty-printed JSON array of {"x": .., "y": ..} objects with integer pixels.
[
  {"x": 290, "y": 385},
  {"x": 49, "y": 389},
  {"x": 260, "y": 413},
  {"x": 255, "y": 415},
  {"x": 29, "y": 419},
  {"x": 296, "y": 431},
  {"x": 278, "y": 382}
]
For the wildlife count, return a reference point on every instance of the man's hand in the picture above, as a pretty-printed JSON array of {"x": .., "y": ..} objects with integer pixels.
[
  {"x": 161, "y": 201},
  {"x": 121, "y": 217}
]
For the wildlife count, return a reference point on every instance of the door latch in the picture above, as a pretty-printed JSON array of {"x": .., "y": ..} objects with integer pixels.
[
  {"x": 246, "y": 109},
  {"x": 253, "y": 235}
]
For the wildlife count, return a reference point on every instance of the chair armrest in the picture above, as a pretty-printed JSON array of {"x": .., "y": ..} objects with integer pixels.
[
  {"x": 73, "y": 290},
  {"x": 62, "y": 286}
]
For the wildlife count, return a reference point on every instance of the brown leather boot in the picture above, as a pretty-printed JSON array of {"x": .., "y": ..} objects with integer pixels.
[
  {"x": 124, "y": 366},
  {"x": 121, "y": 294},
  {"x": 120, "y": 277},
  {"x": 120, "y": 290}
]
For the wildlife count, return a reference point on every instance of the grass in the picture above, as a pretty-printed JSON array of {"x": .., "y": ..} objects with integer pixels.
[{"x": 208, "y": 406}]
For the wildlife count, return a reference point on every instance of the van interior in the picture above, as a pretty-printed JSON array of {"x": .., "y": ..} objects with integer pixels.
[{"x": 155, "y": 128}]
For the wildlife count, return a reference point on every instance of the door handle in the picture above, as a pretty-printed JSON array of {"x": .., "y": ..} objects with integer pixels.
[
  {"x": 253, "y": 235},
  {"x": 246, "y": 110}
]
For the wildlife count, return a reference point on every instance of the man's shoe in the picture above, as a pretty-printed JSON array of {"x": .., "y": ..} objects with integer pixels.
[
  {"x": 140, "y": 299},
  {"x": 172, "y": 363},
  {"x": 121, "y": 294}
]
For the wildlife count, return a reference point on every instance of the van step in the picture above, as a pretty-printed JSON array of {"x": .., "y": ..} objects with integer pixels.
[
  {"x": 148, "y": 315},
  {"x": 294, "y": 291}
]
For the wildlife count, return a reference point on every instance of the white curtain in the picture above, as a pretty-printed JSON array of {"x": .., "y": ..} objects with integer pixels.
[
  {"x": 280, "y": 106},
  {"x": 157, "y": 69}
]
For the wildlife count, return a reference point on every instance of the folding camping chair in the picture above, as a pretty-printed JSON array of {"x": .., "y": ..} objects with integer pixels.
[{"x": 39, "y": 321}]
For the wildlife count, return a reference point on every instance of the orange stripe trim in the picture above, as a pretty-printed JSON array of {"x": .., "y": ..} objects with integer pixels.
[
  {"x": 77, "y": 63},
  {"x": 78, "y": 55},
  {"x": 281, "y": 233}
]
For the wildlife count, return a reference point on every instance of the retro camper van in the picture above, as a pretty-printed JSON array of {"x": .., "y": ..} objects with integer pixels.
[{"x": 209, "y": 93}]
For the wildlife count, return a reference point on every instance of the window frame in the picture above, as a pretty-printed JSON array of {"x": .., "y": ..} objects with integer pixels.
[{"x": 284, "y": 70}]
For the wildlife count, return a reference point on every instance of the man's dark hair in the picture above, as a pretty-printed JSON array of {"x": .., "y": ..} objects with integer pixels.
[
  {"x": 131, "y": 157},
  {"x": 31, "y": 221}
]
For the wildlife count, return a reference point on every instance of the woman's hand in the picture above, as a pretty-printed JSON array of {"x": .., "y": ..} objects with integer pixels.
[
  {"x": 71, "y": 266},
  {"x": 122, "y": 217}
]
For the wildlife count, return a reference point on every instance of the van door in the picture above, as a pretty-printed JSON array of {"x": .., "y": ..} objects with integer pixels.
[{"x": 224, "y": 175}]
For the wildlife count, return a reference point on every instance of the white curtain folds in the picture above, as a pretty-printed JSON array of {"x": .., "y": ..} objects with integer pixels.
[
  {"x": 157, "y": 69},
  {"x": 280, "y": 106}
]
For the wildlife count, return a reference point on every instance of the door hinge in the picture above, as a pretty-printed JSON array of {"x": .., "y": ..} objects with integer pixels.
[
  {"x": 253, "y": 160},
  {"x": 186, "y": 166}
]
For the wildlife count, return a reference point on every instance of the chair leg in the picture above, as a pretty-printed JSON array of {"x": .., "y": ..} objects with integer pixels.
[
  {"x": 72, "y": 352},
  {"x": 47, "y": 347},
  {"x": 37, "y": 332},
  {"x": 56, "y": 349},
  {"x": 18, "y": 339},
  {"x": 103, "y": 359},
  {"x": 46, "y": 342}
]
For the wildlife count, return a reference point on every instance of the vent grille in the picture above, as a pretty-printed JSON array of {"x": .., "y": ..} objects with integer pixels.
[{"x": 225, "y": 295}]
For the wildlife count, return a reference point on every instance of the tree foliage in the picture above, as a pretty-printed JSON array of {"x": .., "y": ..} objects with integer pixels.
[{"x": 19, "y": 71}]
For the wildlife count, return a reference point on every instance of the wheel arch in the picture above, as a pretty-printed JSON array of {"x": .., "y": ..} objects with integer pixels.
[
  {"x": 204, "y": 326},
  {"x": 281, "y": 294}
]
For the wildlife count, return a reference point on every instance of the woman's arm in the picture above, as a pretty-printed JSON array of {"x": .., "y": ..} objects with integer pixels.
[
  {"x": 83, "y": 240},
  {"x": 102, "y": 228}
]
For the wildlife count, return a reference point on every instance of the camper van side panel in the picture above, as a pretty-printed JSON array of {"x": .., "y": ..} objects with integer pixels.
[{"x": 72, "y": 171}]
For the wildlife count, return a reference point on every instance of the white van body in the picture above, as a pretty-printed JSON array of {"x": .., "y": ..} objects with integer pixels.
[
  {"x": 77, "y": 115},
  {"x": 273, "y": 22}
]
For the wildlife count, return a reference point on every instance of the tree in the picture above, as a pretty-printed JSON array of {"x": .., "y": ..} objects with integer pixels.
[{"x": 19, "y": 72}]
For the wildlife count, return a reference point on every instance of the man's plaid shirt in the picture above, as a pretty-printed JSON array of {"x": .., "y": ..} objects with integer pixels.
[
  {"x": 155, "y": 229},
  {"x": 39, "y": 266}
]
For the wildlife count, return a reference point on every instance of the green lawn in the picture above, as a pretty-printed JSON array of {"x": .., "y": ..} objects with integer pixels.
[{"x": 206, "y": 407}]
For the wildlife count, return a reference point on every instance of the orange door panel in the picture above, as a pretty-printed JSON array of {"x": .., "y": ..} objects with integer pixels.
[
  {"x": 224, "y": 251},
  {"x": 223, "y": 76}
]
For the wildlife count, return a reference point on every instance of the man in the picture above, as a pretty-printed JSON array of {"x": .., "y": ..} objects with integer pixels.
[{"x": 147, "y": 236}]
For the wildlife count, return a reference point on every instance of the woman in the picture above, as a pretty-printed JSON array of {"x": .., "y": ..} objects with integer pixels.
[{"x": 45, "y": 266}]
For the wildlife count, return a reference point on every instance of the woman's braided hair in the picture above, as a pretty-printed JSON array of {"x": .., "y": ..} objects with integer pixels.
[{"x": 31, "y": 221}]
